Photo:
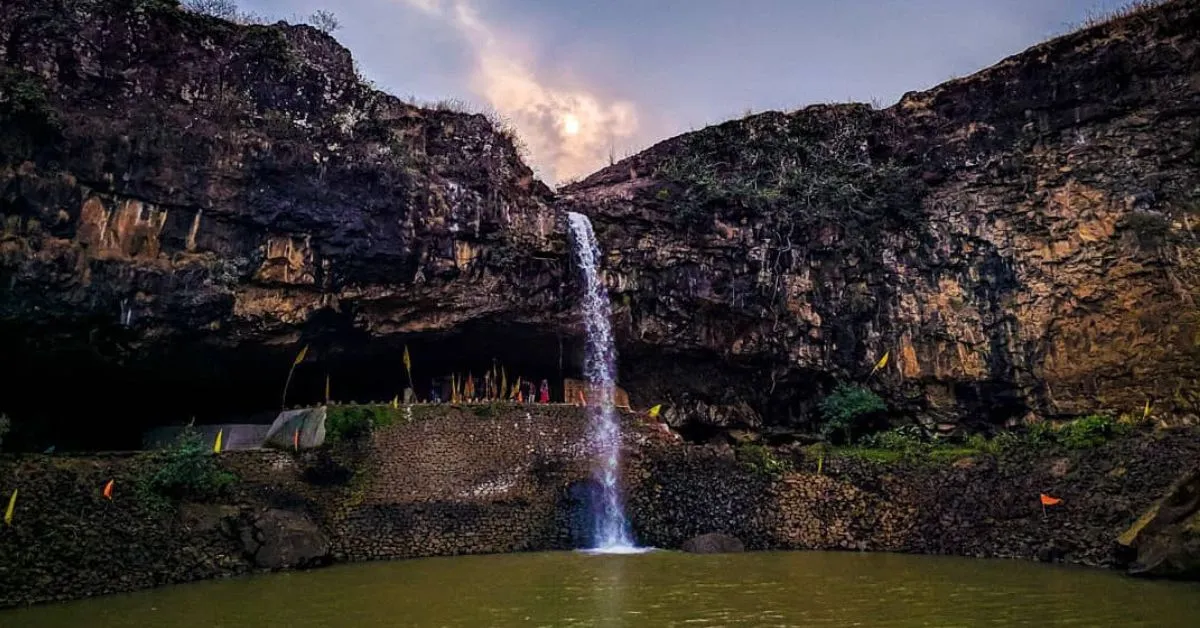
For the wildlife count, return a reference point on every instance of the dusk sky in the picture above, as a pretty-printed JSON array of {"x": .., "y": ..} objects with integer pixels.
[{"x": 577, "y": 77}]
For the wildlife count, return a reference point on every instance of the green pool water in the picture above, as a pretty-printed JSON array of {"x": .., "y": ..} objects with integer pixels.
[{"x": 656, "y": 589}]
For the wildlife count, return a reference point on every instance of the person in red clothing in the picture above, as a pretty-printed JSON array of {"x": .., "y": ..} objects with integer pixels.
[{"x": 544, "y": 392}]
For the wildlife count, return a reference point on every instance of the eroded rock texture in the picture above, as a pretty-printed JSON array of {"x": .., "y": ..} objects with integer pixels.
[
  {"x": 187, "y": 202},
  {"x": 1021, "y": 241}
]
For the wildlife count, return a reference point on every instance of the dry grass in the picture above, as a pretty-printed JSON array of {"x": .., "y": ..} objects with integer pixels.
[{"x": 1131, "y": 8}]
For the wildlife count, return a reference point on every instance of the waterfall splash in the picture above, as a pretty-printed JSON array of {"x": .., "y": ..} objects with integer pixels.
[{"x": 610, "y": 531}]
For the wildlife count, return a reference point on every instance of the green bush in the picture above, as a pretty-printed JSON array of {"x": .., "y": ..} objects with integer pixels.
[
  {"x": 188, "y": 470},
  {"x": 1090, "y": 431},
  {"x": 908, "y": 439},
  {"x": 760, "y": 459},
  {"x": 1001, "y": 442},
  {"x": 846, "y": 407},
  {"x": 354, "y": 422}
]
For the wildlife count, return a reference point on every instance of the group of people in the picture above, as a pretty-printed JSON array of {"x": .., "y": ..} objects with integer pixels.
[{"x": 523, "y": 392}]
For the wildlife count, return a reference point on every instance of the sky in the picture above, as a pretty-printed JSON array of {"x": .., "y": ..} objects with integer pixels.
[{"x": 585, "y": 81}]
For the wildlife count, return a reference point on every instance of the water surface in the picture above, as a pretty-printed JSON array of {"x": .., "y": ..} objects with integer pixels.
[{"x": 656, "y": 589}]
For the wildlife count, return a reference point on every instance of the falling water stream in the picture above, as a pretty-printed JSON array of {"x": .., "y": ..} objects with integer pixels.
[{"x": 610, "y": 531}]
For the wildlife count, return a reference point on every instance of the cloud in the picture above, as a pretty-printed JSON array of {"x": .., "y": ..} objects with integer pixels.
[{"x": 569, "y": 130}]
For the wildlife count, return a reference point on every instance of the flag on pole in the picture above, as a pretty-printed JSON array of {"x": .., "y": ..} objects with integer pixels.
[
  {"x": 655, "y": 410},
  {"x": 12, "y": 503},
  {"x": 108, "y": 490},
  {"x": 1146, "y": 410},
  {"x": 396, "y": 401},
  {"x": 881, "y": 363},
  {"x": 217, "y": 445},
  {"x": 408, "y": 365},
  {"x": 1048, "y": 501},
  {"x": 291, "y": 371},
  {"x": 296, "y": 439}
]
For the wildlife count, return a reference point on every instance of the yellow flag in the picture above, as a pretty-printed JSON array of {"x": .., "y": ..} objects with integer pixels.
[
  {"x": 217, "y": 445},
  {"x": 1146, "y": 410},
  {"x": 882, "y": 362},
  {"x": 655, "y": 410},
  {"x": 300, "y": 356},
  {"x": 407, "y": 362},
  {"x": 396, "y": 401},
  {"x": 12, "y": 503}
]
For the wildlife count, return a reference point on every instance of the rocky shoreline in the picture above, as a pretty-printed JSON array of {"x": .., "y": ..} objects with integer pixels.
[{"x": 290, "y": 511}]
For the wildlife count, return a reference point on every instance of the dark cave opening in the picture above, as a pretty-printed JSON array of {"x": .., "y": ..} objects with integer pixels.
[{"x": 79, "y": 399}]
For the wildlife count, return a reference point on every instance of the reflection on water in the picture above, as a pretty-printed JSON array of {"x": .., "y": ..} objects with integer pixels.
[{"x": 655, "y": 589}]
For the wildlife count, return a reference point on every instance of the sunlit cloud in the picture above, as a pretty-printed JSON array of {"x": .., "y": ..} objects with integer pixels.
[{"x": 570, "y": 131}]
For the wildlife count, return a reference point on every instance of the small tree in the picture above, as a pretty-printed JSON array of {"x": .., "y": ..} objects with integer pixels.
[
  {"x": 324, "y": 21},
  {"x": 224, "y": 9},
  {"x": 847, "y": 406}
]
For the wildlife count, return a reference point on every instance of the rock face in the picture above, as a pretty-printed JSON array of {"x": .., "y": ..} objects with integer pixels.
[
  {"x": 1165, "y": 541},
  {"x": 713, "y": 543},
  {"x": 284, "y": 539},
  {"x": 188, "y": 202},
  {"x": 1020, "y": 241}
]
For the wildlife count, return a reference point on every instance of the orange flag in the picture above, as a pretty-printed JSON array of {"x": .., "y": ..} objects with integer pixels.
[
  {"x": 582, "y": 399},
  {"x": 108, "y": 490},
  {"x": 296, "y": 440},
  {"x": 1050, "y": 501}
]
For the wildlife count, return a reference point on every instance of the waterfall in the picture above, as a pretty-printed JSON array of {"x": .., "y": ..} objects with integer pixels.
[{"x": 610, "y": 529}]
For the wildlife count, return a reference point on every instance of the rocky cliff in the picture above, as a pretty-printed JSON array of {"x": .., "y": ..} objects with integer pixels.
[
  {"x": 1020, "y": 241},
  {"x": 188, "y": 202}
]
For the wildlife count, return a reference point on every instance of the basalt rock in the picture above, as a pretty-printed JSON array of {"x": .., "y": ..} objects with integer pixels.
[
  {"x": 187, "y": 202},
  {"x": 1165, "y": 541},
  {"x": 1020, "y": 242},
  {"x": 283, "y": 539}
]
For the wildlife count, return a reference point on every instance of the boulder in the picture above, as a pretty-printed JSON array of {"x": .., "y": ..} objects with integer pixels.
[
  {"x": 284, "y": 539},
  {"x": 714, "y": 543},
  {"x": 309, "y": 422},
  {"x": 1165, "y": 541}
]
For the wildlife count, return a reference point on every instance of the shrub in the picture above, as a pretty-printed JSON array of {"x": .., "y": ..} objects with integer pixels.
[
  {"x": 354, "y": 422},
  {"x": 1090, "y": 431},
  {"x": 760, "y": 459},
  {"x": 324, "y": 21},
  {"x": 1041, "y": 434},
  {"x": 224, "y": 9},
  {"x": 189, "y": 471},
  {"x": 906, "y": 439},
  {"x": 997, "y": 444},
  {"x": 847, "y": 406}
]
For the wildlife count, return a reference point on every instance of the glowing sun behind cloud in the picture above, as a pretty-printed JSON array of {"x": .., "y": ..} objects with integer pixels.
[
  {"x": 570, "y": 124},
  {"x": 569, "y": 131}
]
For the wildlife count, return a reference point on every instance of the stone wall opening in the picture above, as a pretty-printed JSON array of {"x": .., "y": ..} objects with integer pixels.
[{"x": 82, "y": 396}]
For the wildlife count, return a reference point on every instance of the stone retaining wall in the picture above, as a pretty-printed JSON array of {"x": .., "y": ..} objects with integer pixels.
[
  {"x": 982, "y": 505},
  {"x": 506, "y": 478}
]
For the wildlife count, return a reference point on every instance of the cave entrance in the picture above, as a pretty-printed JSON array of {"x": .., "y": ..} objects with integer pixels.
[{"x": 83, "y": 400}]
